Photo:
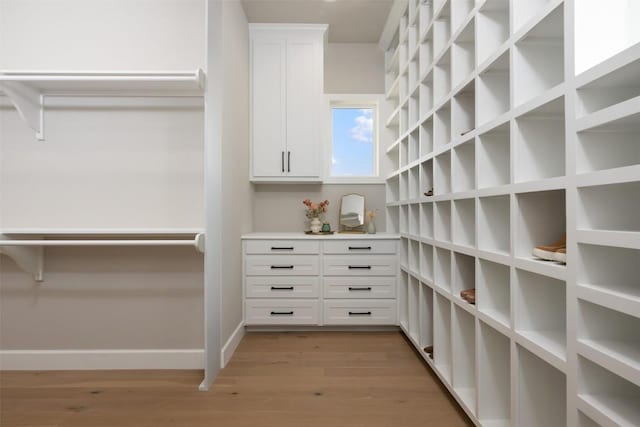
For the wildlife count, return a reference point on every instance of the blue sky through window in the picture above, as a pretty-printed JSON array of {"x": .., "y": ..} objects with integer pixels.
[{"x": 353, "y": 142}]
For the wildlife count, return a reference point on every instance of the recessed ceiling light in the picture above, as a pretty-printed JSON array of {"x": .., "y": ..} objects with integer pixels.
[{"x": 330, "y": 1}]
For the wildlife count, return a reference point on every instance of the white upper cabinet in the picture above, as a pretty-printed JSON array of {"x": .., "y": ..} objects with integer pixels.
[{"x": 286, "y": 95}]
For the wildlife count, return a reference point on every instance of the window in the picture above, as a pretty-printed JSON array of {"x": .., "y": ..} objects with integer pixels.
[{"x": 354, "y": 141}]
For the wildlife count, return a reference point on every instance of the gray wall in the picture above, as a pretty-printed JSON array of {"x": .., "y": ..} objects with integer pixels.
[
  {"x": 237, "y": 192},
  {"x": 353, "y": 68}
]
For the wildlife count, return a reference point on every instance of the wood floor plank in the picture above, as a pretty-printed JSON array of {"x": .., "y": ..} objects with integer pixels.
[{"x": 274, "y": 379}]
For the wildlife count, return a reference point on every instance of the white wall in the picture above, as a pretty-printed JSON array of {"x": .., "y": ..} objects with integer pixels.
[
  {"x": 353, "y": 68},
  {"x": 106, "y": 163},
  {"x": 237, "y": 192}
]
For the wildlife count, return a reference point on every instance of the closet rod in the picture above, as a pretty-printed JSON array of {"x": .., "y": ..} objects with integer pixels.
[{"x": 197, "y": 242}]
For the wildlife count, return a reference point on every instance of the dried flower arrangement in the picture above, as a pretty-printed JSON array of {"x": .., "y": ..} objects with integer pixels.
[{"x": 314, "y": 210}]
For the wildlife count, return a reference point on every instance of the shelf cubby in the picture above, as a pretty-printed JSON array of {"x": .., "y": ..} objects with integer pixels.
[
  {"x": 611, "y": 333},
  {"x": 463, "y": 112},
  {"x": 443, "y": 221},
  {"x": 414, "y": 256},
  {"x": 414, "y": 182},
  {"x": 612, "y": 145},
  {"x": 613, "y": 88},
  {"x": 464, "y": 273},
  {"x": 539, "y": 58},
  {"x": 414, "y": 109},
  {"x": 584, "y": 421},
  {"x": 393, "y": 189},
  {"x": 541, "y": 220},
  {"x": 464, "y": 357},
  {"x": 404, "y": 152},
  {"x": 525, "y": 11},
  {"x": 426, "y": 316},
  {"x": 464, "y": 167},
  {"x": 610, "y": 270},
  {"x": 393, "y": 157},
  {"x": 442, "y": 77},
  {"x": 442, "y": 270},
  {"x": 414, "y": 146},
  {"x": 426, "y": 220},
  {"x": 492, "y": 90},
  {"x": 414, "y": 304},
  {"x": 403, "y": 124},
  {"x": 494, "y": 224},
  {"x": 414, "y": 219},
  {"x": 442, "y": 126},
  {"x": 441, "y": 30},
  {"x": 464, "y": 222},
  {"x": 426, "y": 95},
  {"x": 393, "y": 219},
  {"x": 426, "y": 53},
  {"x": 492, "y": 22},
  {"x": 426, "y": 177},
  {"x": 404, "y": 186},
  {"x": 613, "y": 397},
  {"x": 494, "y": 377},
  {"x": 426, "y": 15},
  {"x": 540, "y": 143},
  {"x": 403, "y": 90},
  {"x": 541, "y": 394},
  {"x": 426, "y": 261},
  {"x": 412, "y": 39},
  {"x": 442, "y": 336},
  {"x": 540, "y": 311},
  {"x": 460, "y": 10},
  {"x": 494, "y": 291},
  {"x": 442, "y": 175},
  {"x": 612, "y": 207},
  {"x": 494, "y": 153},
  {"x": 463, "y": 55},
  {"x": 426, "y": 137},
  {"x": 404, "y": 252},
  {"x": 404, "y": 219},
  {"x": 403, "y": 301}
]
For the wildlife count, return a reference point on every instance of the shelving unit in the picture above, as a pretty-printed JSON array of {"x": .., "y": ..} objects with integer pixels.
[{"x": 519, "y": 151}]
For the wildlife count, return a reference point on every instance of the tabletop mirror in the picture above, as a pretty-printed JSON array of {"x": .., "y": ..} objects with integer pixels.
[{"x": 352, "y": 213}]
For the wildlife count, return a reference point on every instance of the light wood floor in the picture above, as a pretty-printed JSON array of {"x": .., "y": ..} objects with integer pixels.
[{"x": 286, "y": 380}]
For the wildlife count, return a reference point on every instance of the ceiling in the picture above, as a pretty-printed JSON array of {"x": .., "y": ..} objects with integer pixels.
[{"x": 350, "y": 21}]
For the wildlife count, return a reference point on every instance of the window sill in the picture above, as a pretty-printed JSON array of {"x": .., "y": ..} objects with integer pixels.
[{"x": 354, "y": 180}]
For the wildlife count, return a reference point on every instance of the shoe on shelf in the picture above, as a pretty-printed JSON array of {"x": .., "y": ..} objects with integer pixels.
[
  {"x": 548, "y": 252},
  {"x": 471, "y": 297},
  {"x": 429, "y": 350},
  {"x": 465, "y": 292},
  {"x": 429, "y": 193},
  {"x": 561, "y": 255}
]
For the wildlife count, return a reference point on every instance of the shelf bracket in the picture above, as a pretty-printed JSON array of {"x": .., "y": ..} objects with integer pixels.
[
  {"x": 29, "y": 103},
  {"x": 28, "y": 258}
]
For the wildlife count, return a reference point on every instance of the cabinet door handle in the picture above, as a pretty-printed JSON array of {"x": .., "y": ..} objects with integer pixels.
[
  {"x": 368, "y": 288},
  {"x": 282, "y": 267},
  {"x": 282, "y": 313},
  {"x": 288, "y": 161},
  {"x": 282, "y": 162},
  {"x": 359, "y": 267},
  {"x": 282, "y": 288},
  {"x": 281, "y": 248},
  {"x": 359, "y": 313},
  {"x": 359, "y": 248}
]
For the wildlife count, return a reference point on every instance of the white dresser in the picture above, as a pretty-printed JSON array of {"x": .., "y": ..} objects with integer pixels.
[{"x": 339, "y": 279}]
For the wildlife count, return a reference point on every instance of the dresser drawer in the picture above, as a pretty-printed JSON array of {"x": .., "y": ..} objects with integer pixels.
[
  {"x": 282, "y": 247},
  {"x": 359, "y": 287},
  {"x": 360, "y": 247},
  {"x": 281, "y": 265},
  {"x": 363, "y": 265},
  {"x": 282, "y": 287},
  {"x": 281, "y": 312},
  {"x": 352, "y": 312}
]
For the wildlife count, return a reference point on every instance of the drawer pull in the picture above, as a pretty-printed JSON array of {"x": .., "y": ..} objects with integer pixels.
[
  {"x": 282, "y": 267},
  {"x": 282, "y": 288},
  {"x": 359, "y": 248},
  {"x": 368, "y": 288},
  {"x": 282, "y": 313},
  {"x": 359, "y": 267},
  {"x": 359, "y": 313},
  {"x": 281, "y": 248}
]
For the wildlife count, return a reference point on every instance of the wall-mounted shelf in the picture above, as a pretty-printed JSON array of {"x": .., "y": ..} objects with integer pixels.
[
  {"x": 27, "y": 90},
  {"x": 26, "y": 247}
]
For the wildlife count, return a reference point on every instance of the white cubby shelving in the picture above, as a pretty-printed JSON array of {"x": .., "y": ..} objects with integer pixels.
[
  {"x": 403, "y": 297},
  {"x": 413, "y": 303},
  {"x": 520, "y": 151}
]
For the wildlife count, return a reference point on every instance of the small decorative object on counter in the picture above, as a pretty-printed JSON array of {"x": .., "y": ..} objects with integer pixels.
[
  {"x": 326, "y": 227},
  {"x": 371, "y": 226},
  {"x": 314, "y": 211}
]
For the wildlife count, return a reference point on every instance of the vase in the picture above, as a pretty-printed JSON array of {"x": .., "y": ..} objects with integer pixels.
[
  {"x": 316, "y": 225},
  {"x": 371, "y": 227}
]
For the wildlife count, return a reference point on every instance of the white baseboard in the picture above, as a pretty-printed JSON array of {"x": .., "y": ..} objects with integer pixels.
[
  {"x": 77, "y": 360},
  {"x": 231, "y": 345}
]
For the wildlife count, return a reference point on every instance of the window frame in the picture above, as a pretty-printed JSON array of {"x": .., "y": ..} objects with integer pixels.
[{"x": 353, "y": 101}]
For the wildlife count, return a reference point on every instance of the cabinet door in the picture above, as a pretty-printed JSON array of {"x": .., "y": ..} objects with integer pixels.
[
  {"x": 268, "y": 108},
  {"x": 304, "y": 94}
]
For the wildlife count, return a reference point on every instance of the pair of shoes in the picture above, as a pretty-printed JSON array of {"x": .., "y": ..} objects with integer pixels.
[
  {"x": 429, "y": 193},
  {"x": 429, "y": 351},
  {"x": 469, "y": 295},
  {"x": 556, "y": 251}
]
